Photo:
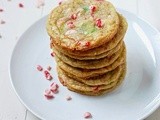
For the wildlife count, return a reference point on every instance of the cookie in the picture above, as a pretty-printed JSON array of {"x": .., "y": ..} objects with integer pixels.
[
  {"x": 89, "y": 64},
  {"x": 97, "y": 91},
  {"x": 74, "y": 25},
  {"x": 105, "y": 54},
  {"x": 98, "y": 50},
  {"x": 86, "y": 73},
  {"x": 104, "y": 79}
]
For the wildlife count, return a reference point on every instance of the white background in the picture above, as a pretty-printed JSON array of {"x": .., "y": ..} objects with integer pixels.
[{"x": 19, "y": 19}]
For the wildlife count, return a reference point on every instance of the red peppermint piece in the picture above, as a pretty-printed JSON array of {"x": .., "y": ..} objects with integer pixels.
[
  {"x": 49, "y": 68},
  {"x": 99, "y": 23},
  {"x": 20, "y": 5},
  {"x": 53, "y": 54},
  {"x": 68, "y": 98},
  {"x": 73, "y": 16},
  {"x": 1, "y": 10},
  {"x": 96, "y": 89},
  {"x": 39, "y": 68},
  {"x": 87, "y": 115},
  {"x": 55, "y": 85},
  {"x": 87, "y": 44},
  {"x": 60, "y": 3},
  {"x": 2, "y": 22},
  {"x": 48, "y": 75},
  {"x": 54, "y": 88},
  {"x": 92, "y": 8},
  {"x": 70, "y": 25},
  {"x": 48, "y": 94}
]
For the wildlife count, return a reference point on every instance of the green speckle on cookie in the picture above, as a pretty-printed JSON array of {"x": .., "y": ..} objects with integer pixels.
[
  {"x": 88, "y": 28},
  {"x": 85, "y": 8}
]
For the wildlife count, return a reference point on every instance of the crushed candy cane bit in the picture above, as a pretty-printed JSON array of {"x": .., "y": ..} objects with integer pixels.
[
  {"x": 60, "y": 3},
  {"x": 54, "y": 84},
  {"x": 49, "y": 68},
  {"x": 2, "y": 22},
  {"x": 20, "y": 5},
  {"x": 46, "y": 72},
  {"x": 87, "y": 44},
  {"x": 48, "y": 94},
  {"x": 92, "y": 8},
  {"x": 40, "y": 3},
  {"x": 68, "y": 98},
  {"x": 54, "y": 88},
  {"x": 70, "y": 24},
  {"x": 48, "y": 75},
  {"x": 99, "y": 23},
  {"x": 39, "y": 68},
  {"x": 87, "y": 115},
  {"x": 53, "y": 54},
  {"x": 96, "y": 89},
  {"x": 73, "y": 16},
  {"x": 1, "y": 10}
]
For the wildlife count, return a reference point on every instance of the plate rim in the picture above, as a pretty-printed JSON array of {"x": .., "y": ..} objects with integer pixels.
[{"x": 145, "y": 115}]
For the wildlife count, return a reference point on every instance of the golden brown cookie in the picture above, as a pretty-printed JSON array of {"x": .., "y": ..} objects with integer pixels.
[
  {"x": 84, "y": 73},
  {"x": 105, "y": 54},
  {"x": 97, "y": 91},
  {"x": 76, "y": 25},
  {"x": 89, "y": 64},
  {"x": 104, "y": 79},
  {"x": 101, "y": 49}
]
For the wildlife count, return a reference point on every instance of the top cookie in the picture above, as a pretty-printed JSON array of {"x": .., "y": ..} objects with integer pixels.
[{"x": 83, "y": 24}]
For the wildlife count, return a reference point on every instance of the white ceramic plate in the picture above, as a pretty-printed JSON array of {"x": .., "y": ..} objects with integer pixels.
[{"x": 136, "y": 98}]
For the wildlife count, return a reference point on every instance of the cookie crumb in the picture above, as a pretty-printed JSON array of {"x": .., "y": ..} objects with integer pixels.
[{"x": 87, "y": 115}]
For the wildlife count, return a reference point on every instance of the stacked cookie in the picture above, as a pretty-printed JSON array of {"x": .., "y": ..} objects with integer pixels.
[{"x": 87, "y": 39}]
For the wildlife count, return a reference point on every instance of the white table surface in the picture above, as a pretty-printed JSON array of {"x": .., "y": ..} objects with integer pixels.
[{"x": 19, "y": 19}]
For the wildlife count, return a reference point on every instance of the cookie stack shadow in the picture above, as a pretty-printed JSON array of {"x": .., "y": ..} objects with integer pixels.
[{"x": 95, "y": 71}]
